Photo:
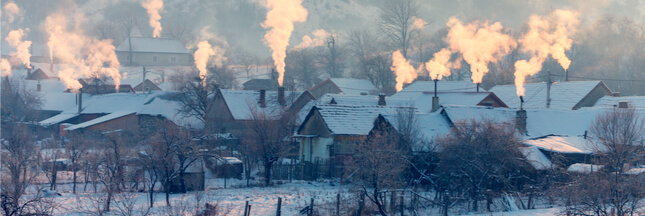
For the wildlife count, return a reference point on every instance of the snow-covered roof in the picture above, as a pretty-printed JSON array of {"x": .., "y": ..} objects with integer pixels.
[
  {"x": 423, "y": 100},
  {"x": 536, "y": 158},
  {"x": 242, "y": 103},
  {"x": 351, "y": 120},
  {"x": 431, "y": 126},
  {"x": 156, "y": 103},
  {"x": 584, "y": 168},
  {"x": 564, "y": 95},
  {"x": 610, "y": 101},
  {"x": 153, "y": 45},
  {"x": 99, "y": 120},
  {"x": 442, "y": 86},
  {"x": 563, "y": 144},
  {"x": 539, "y": 122},
  {"x": 351, "y": 86}
]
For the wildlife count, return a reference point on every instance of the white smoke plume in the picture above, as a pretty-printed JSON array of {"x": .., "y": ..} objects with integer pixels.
[
  {"x": 154, "y": 7},
  {"x": 5, "y": 67},
  {"x": 418, "y": 23},
  {"x": 439, "y": 66},
  {"x": 320, "y": 36},
  {"x": 479, "y": 43},
  {"x": 11, "y": 11},
  {"x": 203, "y": 53},
  {"x": 549, "y": 35},
  {"x": 280, "y": 18},
  {"x": 81, "y": 55},
  {"x": 405, "y": 72},
  {"x": 14, "y": 38}
]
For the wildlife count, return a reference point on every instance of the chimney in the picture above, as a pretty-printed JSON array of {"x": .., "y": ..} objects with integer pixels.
[
  {"x": 80, "y": 101},
  {"x": 435, "y": 98},
  {"x": 520, "y": 121},
  {"x": 478, "y": 86},
  {"x": 566, "y": 75},
  {"x": 28, "y": 71},
  {"x": 616, "y": 94},
  {"x": 263, "y": 102},
  {"x": 623, "y": 104},
  {"x": 38, "y": 87},
  {"x": 381, "y": 99},
  {"x": 548, "y": 90},
  {"x": 281, "y": 99},
  {"x": 520, "y": 117}
]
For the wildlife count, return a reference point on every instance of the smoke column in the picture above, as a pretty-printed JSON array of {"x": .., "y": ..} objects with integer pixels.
[
  {"x": 82, "y": 56},
  {"x": 280, "y": 18},
  {"x": 11, "y": 10},
  {"x": 439, "y": 66},
  {"x": 479, "y": 44},
  {"x": 320, "y": 36},
  {"x": 418, "y": 23},
  {"x": 5, "y": 66},
  {"x": 405, "y": 73},
  {"x": 153, "y": 7},
  {"x": 204, "y": 51},
  {"x": 546, "y": 36},
  {"x": 22, "y": 47}
]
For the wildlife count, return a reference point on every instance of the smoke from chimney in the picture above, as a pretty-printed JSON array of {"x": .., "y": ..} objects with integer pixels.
[
  {"x": 84, "y": 57},
  {"x": 14, "y": 38},
  {"x": 546, "y": 36},
  {"x": 439, "y": 66},
  {"x": 153, "y": 7},
  {"x": 320, "y": 36},
  {"x": 418, "y": 23},
  {"x": 280, "y": 18},
  {"x": 405, "y": 73},
  {"x": 5, "y": 66},
  {"x": 479, "y": 44},
  {"x": 11, "y": 10},
  {"x": 204, "y": 51}
]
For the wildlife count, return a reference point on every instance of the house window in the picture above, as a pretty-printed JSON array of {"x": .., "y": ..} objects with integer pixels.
[
  {"x": 173, "y": 59},
  {"x": 154, "y": 59},
  {"x": 147, "y": 89}
]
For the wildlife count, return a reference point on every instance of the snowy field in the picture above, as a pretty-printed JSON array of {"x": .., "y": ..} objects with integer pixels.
[{"x": 231, "y": 200}]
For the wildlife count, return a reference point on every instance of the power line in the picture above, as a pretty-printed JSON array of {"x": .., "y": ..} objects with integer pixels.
[{"x": 604, "y": 79}]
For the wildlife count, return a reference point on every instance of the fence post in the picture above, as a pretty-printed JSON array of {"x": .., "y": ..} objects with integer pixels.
[
  {"x": 311, "y": 207},
  {"x": 246, "y": 207},
  {"x": 277, "y": 213},
  {"x": 337, "y": 204},
  {"x": 393, "y": 201},
  {"x": 402, "y": 206},
  {"x": 249, "y": 212}
]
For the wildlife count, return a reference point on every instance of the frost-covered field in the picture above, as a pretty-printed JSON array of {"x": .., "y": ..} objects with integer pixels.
[{"x": 231, "y": 200}]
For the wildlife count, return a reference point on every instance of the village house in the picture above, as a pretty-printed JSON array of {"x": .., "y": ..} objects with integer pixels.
[
  {"x": 232, "y": 109},
  {"x": 136, "y": 51},
  {"x": 345, "y": 86},
  {"x": 149, "y": 86},
  {"x": 121, "y": 111},
  {"x": 558, "y": 95}
]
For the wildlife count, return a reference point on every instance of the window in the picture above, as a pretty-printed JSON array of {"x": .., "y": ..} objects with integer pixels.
[
  {"x": 154, "y": 59},
  {"x": 129, "y": 58},
  {"x": 147, "y": 89},
  {"x": 173, "y": 59}
]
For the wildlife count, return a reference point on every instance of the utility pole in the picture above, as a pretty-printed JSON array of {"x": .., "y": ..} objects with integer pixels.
[{"x": 548, "y": 90}]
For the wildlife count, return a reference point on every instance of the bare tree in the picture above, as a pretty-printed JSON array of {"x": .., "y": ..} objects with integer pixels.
[
  {"x": 268, "y": 138},
  {"x": 301, "y": 66},
  {"x": 618, "y": 135},
  {"x": 195, "y": 97},
  {"x": 378, "y": 163},
  {"x": 332, "y": 57},
  {"x": 480, "y": 158},
  {"x": 76, "y": 148},
  {"x": 396, "y": 21}
]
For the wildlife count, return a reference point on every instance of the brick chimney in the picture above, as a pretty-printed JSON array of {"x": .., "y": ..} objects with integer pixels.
[
  {"x": 263, "y": 101},
  {"x": 281, "y": 99},
  {"x": 38, "y": 87},
  {"x": 435, "y": 98},
  {"x": 520, "y": 117},
  {"x": 381, "y": 99},
  {"x": 80, "y": 101},
  {"x": 623, "y": 104},
  {"x": 28, "y": 71}
]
